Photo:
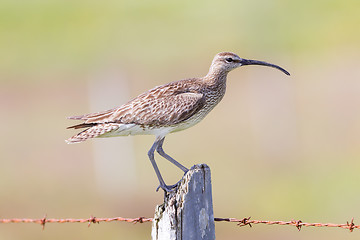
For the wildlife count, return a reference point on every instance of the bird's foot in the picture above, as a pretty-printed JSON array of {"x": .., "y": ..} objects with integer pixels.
[{"x": 168, "y": 188}]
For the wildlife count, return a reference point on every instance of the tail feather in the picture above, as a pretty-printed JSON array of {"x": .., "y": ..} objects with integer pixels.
[
  {"x": 92, "y": 132},
  {"x": 82, "y": 125},
  {"x": 93, "y": 117},
  {"x": 80, "y": 117}
]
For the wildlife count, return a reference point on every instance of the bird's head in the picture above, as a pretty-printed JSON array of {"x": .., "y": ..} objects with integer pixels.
[{"x": 227, "y": 61}]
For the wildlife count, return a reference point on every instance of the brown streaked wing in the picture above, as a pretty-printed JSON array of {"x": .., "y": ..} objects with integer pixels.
[
  {"x": 107, "y": 116},
  {"x": 164, "y": 111},
  {"x": 166, "y": 104},
  {"x": 151, "y": 111}
]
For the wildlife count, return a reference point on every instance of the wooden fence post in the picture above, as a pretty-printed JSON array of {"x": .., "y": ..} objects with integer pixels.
[{"x": 187, "y": 213}]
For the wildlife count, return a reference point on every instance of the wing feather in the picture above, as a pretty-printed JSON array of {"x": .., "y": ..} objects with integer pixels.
[
  {"x": 163, "y": 105},
  {"x": 168, "y": 110},
  {"x": 163, "y": 111}
]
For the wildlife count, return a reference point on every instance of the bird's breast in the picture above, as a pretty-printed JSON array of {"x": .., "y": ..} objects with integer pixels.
[{"x": 212, "y": 98}]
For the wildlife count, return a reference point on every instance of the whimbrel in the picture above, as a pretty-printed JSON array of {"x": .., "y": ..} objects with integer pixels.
[{"x": 165, "y": 109}]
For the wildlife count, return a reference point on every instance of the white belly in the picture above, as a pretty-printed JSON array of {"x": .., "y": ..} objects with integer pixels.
[{"x": 133, "y": 129}]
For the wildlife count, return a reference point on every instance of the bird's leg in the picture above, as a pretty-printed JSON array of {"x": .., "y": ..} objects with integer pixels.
[
  {"x": 160, "y": 150},
  {"x": 157, "y": 171}
]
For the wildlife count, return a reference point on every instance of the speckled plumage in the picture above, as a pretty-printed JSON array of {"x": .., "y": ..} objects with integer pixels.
[{"x": 165, "y": 109}]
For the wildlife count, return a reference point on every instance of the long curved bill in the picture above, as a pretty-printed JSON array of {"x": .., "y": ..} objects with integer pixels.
[{"x": 256, "y": 62}]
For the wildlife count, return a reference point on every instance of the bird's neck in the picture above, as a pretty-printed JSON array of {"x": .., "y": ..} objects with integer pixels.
[{"x": 216, "y": 77}]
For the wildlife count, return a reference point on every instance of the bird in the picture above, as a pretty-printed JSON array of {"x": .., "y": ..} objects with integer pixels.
[{"x": 165, "y": 109}]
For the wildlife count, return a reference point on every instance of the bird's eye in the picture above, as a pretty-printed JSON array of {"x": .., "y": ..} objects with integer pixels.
[{"x": 229, "y": 59}]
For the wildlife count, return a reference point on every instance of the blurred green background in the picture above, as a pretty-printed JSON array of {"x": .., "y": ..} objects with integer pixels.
[{"x": 280, "y": 148}]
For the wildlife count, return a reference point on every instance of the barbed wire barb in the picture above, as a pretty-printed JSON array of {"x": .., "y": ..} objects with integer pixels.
[
  {"x": 351, "y": 225},
  {"x": 43, "y": 221}
]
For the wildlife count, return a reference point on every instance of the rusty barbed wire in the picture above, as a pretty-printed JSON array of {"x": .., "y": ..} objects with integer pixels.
[
  {"x": 240, "y": 222},
  {"x": 44, "y": 220},
  {"x": 297, "y": 223}
]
